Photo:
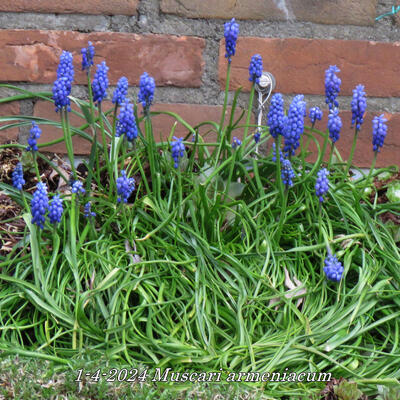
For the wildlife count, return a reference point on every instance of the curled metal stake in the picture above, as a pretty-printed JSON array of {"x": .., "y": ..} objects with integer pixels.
[{"x": 264, "y": 89}]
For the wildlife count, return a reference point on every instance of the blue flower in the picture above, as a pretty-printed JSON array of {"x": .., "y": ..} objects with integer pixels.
[
  {"x": 231, "y": 32},
  {"x": 39, "y": 205},
  {"x": 315, "y": 113},
  {"x": 257, "y": 136},
  {"x": 18, "y": 177},
  {"x": 334, "y": 125},
  {"x": 146, "y": 91},
  {"x": 65, "y": 67},
  {"x": 126, "y": 122},
  {"x": 77, "y": 187},
  {"x": 287, "y": 173},
  {"x": 125, "y": 186},
  {"x": 100, "y": 83},
  {"x": 87, "y": 56},
  {"x": 88, "y": 210},
  {"x": 35, "y": 133},
  {"x": 358, "y": 106},
  {"x": 332, "y": 86},
  {"x": 178, "y": 150},
  {"x": 255, "y": 68},
  {"x": 61, "y": 91},
  {"x": 321, "y": 186},
  {"x": 276, "y": 115},
  {"x": 236, "y": 142},
  {"x": 379, "y": 131},
  {"x": 281, "y": 157},
  {"x": 55, "y": 209},
  {"x": 333, "y": 268},
  {"x": 294, "y": 126},
  {"x": 121, "y": 91}
]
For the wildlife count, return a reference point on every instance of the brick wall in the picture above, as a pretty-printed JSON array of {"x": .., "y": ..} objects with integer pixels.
[{"x": 179, "y": 42}]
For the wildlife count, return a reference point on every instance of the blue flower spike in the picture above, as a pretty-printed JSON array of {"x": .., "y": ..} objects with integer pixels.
[
  {"x": 334, "y": 125},
  {"x": 87, "y": 57},
  {"x": 87, "y": 211},
  {"x": 379, "y": 131},
  {"x": 55, "y": 210},
  {"x": 35, "y": 133},
  {"x": 294, "y": 127},
  {"x": 257, "y": 136},
  {"x": 65, "y": 67},
  {"x": 358, "y": 107},
  {"x": 322, "y": 184},
  {"x": 231, "y": 33},
  {"x": 236, "y": 142},
  {"x": 255, "y": 68},
  {"x": 125, "y": 186},
  {"x": 18, "y": 180},
  {"x": 100, "y": 83},
  {"x": 177, "y": 150},
  {"x": 39, "y": 205},
  {"x": 126, "y": 123},
  {"x": 332, "y": 86},
  {"x": 63, "y": 84},
  {"x": 276, "y": 116},
  {"x": 287, "y": 173},
  {"x": 333, "y": 268},
  {"x": 315, "y": 113},
  {"x": 121, "y": 91},
  {"x": 147, "y": 86},
  {"x": 77, "y": 187}
]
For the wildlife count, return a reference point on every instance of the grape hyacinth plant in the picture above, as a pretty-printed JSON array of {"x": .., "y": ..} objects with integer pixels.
[
  {"x": 236, "y": 142},
  {"x": 125, "y": 187},
  {"x": 322, "y": 184},
  {"x": 332, "y": 86},
  {"x": 126, "y": 124},
  {"x": 231, "y": 33},
  {"x": 18, "y": 177},
  {"x": 255, "y": 68},
  {"x": 276, "y": 116},
  {"x": 379, "y": 132},
  {"x": 333, "y": 268},
  {"x": 315, "y": 113},
  {"x": 87, "y": 57},
  {"x": 88, "y": 213},
  {"x": 287, "y": 173},
  {"x": 77, "y": 188},
  {"x": 334, "y": 125},
  {"x": 146, "y": 93},
  {"x": 55, "y": 209},
  {"x": 100, "y": 83},
  {"x": 295, "y": 125},
  {"x": 39, "y": 205},
  {"x": 121, "y": 91},
  {"x": 178, "y": 150},
  {"x": 34, "y": 135}
]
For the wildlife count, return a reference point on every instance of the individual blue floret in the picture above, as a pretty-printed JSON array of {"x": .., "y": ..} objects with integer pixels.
[
  {"x": 358, "y": 106},
  {"x": 315, "y": 113},
  {"x": 18, "y": 180},
  {"x": 236, "y": 142},
  {"x": 287, "y": 173},
  {"x": 379, "y": 131},
  {"x": 333, "y": 268},
  {"x": 121, "y": 91},
  {"x": 177, "y": 150},
  {"x": 125, "y": 186},
  {"x": 35, "y": 133},
  {"x": 100, "y": 83},
  {"x": 77, "y": 187},
  {"x": 257, "y": 135},
  {"x": 127, "y": 122},
  {"x": 87, "y": 57},
  {"x": 55, "y": 209},
  {"x": 231, "y": 33},
  {"x": 39, "y": 205},
  {"x": 255, "y": 68},
  {"x": 332, "y": 86},
  {"x": 147, "y": 86},
  {"x": 322, "y": 184},
  {"x": 276, "y": 116},
  {"x": 87, "y": 211},
  {"x": 334, "y": 125}
]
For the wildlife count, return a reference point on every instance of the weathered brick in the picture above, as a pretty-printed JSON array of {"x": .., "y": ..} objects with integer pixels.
[
  {"x": 162, "y": 124},
  {"x": 299, "y": 64},
  {"x": 9, "y": 109},
  {"x": 389, "y": 154},
  {"x": 115, "y": 7},
  {"x": 354, "y": 12},
  {"x": 33, "y": 55}
]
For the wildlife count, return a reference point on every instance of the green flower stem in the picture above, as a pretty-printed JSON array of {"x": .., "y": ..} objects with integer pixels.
[
  {"x": 221, "y": 138},
  {"x": 331, "y": 155},
  {"x": 68, "y": 139},
  {"x": 36, "y": 165},
  {"x": 249, "y": 112},
  {"x": 353, "y": 147},
  {"x": 151, "y": 149},
  {"x": 113, "y": 159},
  {"x": 368, "y": 180},
  {"x": 104, "y": 140},
  {"x": 143, "y": 175},
  {"x": 278, "y": 168}
]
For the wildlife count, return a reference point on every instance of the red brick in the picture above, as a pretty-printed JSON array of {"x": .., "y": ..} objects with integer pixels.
[
  {"x": 299, "y": 64},
  {"x": 363, "y": 156},
  {"x": 9, "y": 109},
  {"x": 193, "y": 114},
  {"x": 354, "y": 12},
  {"x": 33, "y": 56},
  {"x": 114, "y": 7}
]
